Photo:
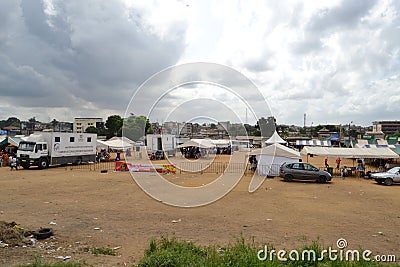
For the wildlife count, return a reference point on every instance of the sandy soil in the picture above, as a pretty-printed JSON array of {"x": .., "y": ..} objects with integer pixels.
[{"x": 93, "y": 209}]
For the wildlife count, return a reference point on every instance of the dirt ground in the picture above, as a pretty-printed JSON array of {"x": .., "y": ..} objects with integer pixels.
[{"x": 91, "y": 209}]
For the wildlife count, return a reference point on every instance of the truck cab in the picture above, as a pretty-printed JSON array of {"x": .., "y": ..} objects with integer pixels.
[{"x": 33, "y": 153}]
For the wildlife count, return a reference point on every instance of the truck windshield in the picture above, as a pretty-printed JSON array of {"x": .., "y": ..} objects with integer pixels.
[{"x": 26, "y": 146}]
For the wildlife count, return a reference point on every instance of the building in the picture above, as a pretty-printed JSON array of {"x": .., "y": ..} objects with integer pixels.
[
  {"x": 387, "y": 127},
  {"x": 81, "y": 124}
]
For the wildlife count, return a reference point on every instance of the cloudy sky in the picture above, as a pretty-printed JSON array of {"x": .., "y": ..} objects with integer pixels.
[{"x": 336, "y": 61}]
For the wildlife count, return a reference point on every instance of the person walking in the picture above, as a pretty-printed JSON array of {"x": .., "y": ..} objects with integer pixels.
[
  {"x": 13, "y": 163},
  {"x": 338, "y": 160},
  {"x": 5, "y": 159},
  {"x": 326, "y": 162}
]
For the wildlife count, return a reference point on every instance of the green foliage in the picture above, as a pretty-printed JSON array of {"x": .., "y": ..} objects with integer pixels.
[
  {"x": 11, "y": 121},
  {"x": 149, "y": 129},
  {"x": 135, "y": 127},
  {"x": 171, "y": 252},
  {"x": 103, "y": 251},
  {"x": 92, "y": 129},
  {"x": 114, "y": 125}
]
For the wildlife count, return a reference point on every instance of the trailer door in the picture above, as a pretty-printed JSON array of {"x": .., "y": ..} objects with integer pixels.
[{"x": 159, "y": 143}]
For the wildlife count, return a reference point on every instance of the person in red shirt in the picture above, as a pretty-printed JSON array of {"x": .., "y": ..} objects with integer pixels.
[{"x": 338, "y": 160}]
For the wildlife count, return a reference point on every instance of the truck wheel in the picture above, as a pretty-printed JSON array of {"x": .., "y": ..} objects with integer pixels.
[
  {"x": 78, "y": 161},
  {"x": 388, "y": 181},
  {"x": 43, "y": 164},
  {"x": 25, "y": 166}
]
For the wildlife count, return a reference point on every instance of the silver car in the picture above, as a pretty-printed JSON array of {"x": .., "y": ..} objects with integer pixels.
[
  {"x": 389, "y": 177},
  {"x": 303, "y": 171}
]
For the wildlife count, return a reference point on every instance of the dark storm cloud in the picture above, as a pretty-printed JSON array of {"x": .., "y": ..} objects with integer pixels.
[{"x": 97, "y": 52}]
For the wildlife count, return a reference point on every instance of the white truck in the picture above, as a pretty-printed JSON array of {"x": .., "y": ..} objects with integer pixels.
[
  {"x": 161, "y": 143},
  {"x": 47, "y": 148}
]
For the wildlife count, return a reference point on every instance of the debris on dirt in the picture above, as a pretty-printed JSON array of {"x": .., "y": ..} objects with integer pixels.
[
  {"x": 176, "y": 221},
  {"x": 64, "y": 258},
  {"x": 13, "y": 234},
  {"x": 52, "y": 223}
]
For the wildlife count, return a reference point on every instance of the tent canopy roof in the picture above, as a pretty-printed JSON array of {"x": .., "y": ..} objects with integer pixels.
[
  {"x": 123, "y": 138},
  {"x": 277, "y": 150},
  {"x": 378, "y": 152},
  {"x": 114, "y": 144},
  {"x": 202, "y": 143},
  {"x": 275, "y": 138}
]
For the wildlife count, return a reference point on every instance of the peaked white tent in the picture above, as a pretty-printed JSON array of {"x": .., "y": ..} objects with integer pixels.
[
  {"x": 275, "y": 138},
  {"x": 270, "y": 158}
]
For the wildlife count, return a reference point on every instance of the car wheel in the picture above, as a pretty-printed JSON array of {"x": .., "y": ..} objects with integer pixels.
[
  {"x": 321, "y": 179},
  {"x": 288, "y": 178},
  {"x": 388, "y": 181}
]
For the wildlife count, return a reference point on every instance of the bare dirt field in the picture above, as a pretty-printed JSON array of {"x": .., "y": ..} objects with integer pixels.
[{"x": 92, "y": 209}]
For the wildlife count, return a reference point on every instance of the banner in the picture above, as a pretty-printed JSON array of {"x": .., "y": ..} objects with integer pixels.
[{"x": 160, "y": 168}]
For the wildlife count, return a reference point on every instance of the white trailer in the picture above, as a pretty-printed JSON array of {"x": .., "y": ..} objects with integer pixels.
[
  {"x": 47, "y": 148},
  {"x": 165, "y": 143}
]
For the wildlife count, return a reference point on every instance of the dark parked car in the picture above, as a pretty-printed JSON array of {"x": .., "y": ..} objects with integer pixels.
[
  {"x": 389, "y": 177},
  {"x": 303, "y": 171}
]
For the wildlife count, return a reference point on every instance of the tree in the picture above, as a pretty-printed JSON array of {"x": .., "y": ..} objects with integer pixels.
[
  {"x": 114, "y": 125},
  {"x": 54, "y": 124},
  {"x": 149, "y": 129},
  {"x": 267, "y": 126},
  {"x": 31, "y": 123},
  {"x": 136, "y": 127},
  {"x": 13, "y": 121},
  {"x": 92, "y": 129}
]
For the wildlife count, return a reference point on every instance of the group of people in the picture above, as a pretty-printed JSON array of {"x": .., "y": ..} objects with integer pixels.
[
  {"x": 253, "y": 162},
  {"x": 345, "y": 172},
  {"x": 8, "y": 159}
]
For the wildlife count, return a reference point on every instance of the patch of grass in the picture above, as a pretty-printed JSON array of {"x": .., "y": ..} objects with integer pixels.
[
  {"x": 37, "y": 262},
  {"x": 169, "y": 252},
  {"x": 103, "y": 251}
]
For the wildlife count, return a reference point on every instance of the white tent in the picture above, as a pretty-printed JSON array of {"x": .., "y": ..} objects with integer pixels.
[
  {"x": 123, "y": 138},
  {"x": 275, "y": 138},
  {"x": 352, "y": 153},
  {"x": 101, "y": 144},
  {"x": 270, "y": 158},
  {"x": 221, "y": 142},
  {"x": 118, "y": 144},
  {"x": 202, "y": 143}
]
